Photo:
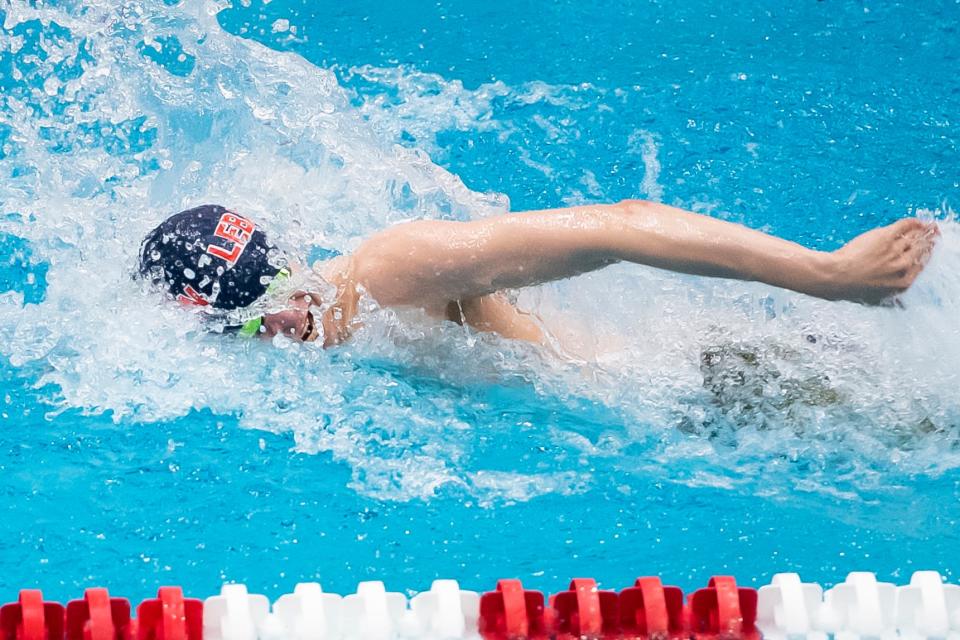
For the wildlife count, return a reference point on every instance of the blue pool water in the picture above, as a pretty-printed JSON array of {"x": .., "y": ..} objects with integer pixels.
[{"x": 710, "y": 427}]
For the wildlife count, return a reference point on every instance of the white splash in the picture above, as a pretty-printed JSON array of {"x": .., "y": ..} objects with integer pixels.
[{"x": 718, "y": 383}]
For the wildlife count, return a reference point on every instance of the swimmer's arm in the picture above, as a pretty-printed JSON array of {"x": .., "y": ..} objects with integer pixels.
[
  {"x": 494, "y": 313},
  {"x": 428, "y": 261}
]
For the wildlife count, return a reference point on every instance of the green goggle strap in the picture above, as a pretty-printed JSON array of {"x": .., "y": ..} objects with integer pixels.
[{"x": 251, "y": 328}]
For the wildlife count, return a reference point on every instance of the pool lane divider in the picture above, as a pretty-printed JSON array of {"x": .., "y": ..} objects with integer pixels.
[
  {"x": 169, "y": 616},
  {"x": 860, "y": 608}
]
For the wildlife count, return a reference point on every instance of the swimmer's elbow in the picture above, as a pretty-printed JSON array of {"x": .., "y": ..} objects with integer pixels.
[{"x": 633, "y": 207}]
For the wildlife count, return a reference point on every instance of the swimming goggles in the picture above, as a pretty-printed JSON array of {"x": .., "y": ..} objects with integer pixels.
[{"x": 251, "y": 328}]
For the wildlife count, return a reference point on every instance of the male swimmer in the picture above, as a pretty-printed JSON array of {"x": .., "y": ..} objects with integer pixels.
[{"x": 221, "y": 261}]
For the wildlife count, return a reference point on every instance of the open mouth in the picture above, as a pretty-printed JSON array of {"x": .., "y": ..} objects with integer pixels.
[{"x": 309, "y": 333}]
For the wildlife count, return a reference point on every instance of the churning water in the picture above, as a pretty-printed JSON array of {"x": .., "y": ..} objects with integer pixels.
[{"x": 687, "y": 416}]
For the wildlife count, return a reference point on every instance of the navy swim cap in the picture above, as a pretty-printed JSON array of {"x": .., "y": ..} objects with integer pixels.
[{"x": 210, "y": 256}]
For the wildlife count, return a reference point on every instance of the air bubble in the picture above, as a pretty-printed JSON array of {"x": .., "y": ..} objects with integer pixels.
[{"x": 51, "y": 86}]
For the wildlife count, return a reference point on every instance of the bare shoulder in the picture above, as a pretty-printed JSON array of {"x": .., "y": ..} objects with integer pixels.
[
  {"x": 399, "y": 265},
  {"x": 389, "y": 266}
]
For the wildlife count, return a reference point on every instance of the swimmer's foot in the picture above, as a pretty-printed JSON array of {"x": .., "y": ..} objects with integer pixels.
[{"x": 880, "y": 263}]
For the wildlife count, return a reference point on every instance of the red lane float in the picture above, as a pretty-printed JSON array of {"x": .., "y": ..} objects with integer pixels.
[
  {"x": 170, "y": 616},
  {"x": 512, "y": 612},
  {"x": 722, "y": 610},
  {"x": 641, "y": 612},
  {"x": 98, "y": 617},
  {"x": 648, "y": 610},
  {"x": 30, "y": 618},
  {"x": 583, "y": 611}
]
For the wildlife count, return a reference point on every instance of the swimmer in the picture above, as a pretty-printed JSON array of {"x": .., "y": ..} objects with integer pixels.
[{"x": 220, "y": 261}]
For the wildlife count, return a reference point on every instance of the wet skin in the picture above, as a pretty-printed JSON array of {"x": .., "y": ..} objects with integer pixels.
[{"x": 458, "y": 270}]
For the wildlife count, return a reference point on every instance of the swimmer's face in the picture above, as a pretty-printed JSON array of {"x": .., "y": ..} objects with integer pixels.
[{"x": 296, "y": 322}]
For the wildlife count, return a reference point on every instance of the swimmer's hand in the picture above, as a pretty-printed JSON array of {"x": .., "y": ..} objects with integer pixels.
[{"x": 880, "y": 263}]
